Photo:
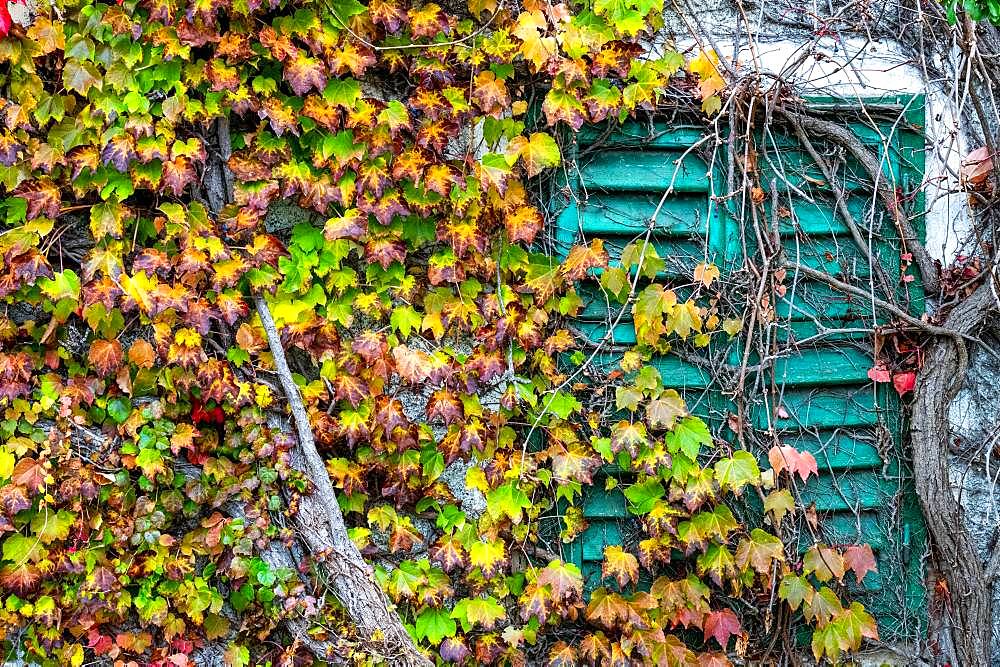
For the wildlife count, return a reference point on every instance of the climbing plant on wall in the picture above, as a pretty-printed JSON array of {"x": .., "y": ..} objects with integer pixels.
[{"x": 159, "y": 319}]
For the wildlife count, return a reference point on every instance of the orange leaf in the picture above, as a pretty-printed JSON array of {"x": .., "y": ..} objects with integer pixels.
[
  {"x": 788, "y": 458},
  {"x": 106, "y": 356},
  {"x": 583, "y": 258},
  {"x": 141, "y": 353}
]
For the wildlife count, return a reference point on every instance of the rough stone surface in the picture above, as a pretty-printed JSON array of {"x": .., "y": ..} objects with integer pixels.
[
  {"x": 974, "y": 467},
  {"x": 473, "y": 502}
]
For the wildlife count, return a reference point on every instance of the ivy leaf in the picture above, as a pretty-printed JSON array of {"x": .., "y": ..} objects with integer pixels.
[
  {"x": 662, "y": 412},
  {"x": 823, "y": 606},
  {"x": 736, "y": 472},
  {"x": 706, "y": 273},
  {"x": 481, "y": 612},
  {"x": 860, "y": 559},
  {"x": 19, "y": 549},
  {"x": 826, "y": 563},
  {"x": 607, "y": 608},
  {"x": 620, "y": 564},
  {"x": 30, "y": 474},
  {"x": 644, "y": 496},
  {"x": 779, "y": 503},
  {"x": 150, "y": 461},
  {"x": 215, "y": 626},
  {"x": 785, "y": 457},
  {"x": 537, "y": 152},
  {"x": 106, "y": 220},
  {"x": 405, "y": 319},
  {"x": 507, "y": 500},
  {"x": 81, "y": 76},
  {"x": 304, "y": 74},
  {"x": 688, "y": 436},
  {"x": 535, "y": 48},
  {"x": 684, "y": 319},
  {"x": 564, "y": 579},
  {"x": 795, "y": 590},
  {"x": 523, "y": 224},
  {"x": 759, "y": 551},
  {"x": 562, "y": 655},
  {"x": 142, "y": 354},
  {"x": 106, "y": 356},
  {"x": 721, "y": 625},
  {"x": 856, "y": 623},
  {"x": 572, "y": 463},
  {"x": 628, "y": 398},
  {"x": 7, "y": 461},
  {"x": 435, "y": 625},
  {"x": 583, "y": 258}
]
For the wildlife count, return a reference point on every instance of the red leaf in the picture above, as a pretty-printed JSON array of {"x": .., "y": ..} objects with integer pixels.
[
  {"x": 860, "y": 559},
  {"x": 879, "y": 373},
  {"x": 5, "y": 20},
  {"x": 904, "y": 382},
  {"x": 721, "y": 625}
]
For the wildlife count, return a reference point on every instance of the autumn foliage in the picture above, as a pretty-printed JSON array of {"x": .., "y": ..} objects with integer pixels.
[{"x": 427, "y": 325}]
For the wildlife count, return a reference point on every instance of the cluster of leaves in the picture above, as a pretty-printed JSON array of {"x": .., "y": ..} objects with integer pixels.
[
  {"x": 977, "y": 10},
  {"x": 134, "y": 378}
]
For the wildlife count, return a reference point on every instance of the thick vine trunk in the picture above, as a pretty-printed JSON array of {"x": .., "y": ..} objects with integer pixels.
[
  {"x": 319, "y": 520},
  {"x": 321, "y": 524},
  {"x": 969, "y": 584}
]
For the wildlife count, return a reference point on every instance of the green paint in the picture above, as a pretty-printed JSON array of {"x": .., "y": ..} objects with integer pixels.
[{"x": 829, "y": 406}]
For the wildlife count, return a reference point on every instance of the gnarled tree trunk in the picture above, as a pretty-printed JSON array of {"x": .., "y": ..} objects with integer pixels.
[{"x": 969, "y": 582}]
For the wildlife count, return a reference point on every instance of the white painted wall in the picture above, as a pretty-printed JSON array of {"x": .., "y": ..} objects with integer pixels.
[{"x": 858, "y": 68}]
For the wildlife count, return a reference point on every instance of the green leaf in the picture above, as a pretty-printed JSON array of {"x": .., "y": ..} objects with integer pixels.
[
  {"x": 644, "y": 496},
  {"x": 484, "y": 612},
  {"x": 536, "y": 153},
  {"x": 736, "y": 472},
  {"x": 50, "y": 526},
  {"x": 119, "y": 409},
  {"x": 563, "y": 405},
  {"x": 241, "y": 597},
  {"x": 507, "y": 500},
  {"x": 795, "y": 590},
  {"x": 19, "y": 549},
  {"x": 435, "y": 625},
  {"x": 81, "y": 76},
  {"x": 627, "y": 398},
  {"x": 64, "y": 285},
  {"x": 688, "y": 436},
  {"x": 151, "y": 462},
  {"x": 405, "y": 319}
]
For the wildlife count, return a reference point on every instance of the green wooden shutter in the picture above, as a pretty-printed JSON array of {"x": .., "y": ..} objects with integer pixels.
[{"x": 828, "y": 404}]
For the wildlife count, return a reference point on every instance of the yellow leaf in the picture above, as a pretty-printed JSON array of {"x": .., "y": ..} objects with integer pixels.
[
  {"x": 685, "y": 319},
  {"x": 6, "y": 464},
  {"x": 536, "y": 49},
  {"x": 705, "y": 67},
  {"x": 706, "y": 273},
  {"x": 475, "y": 478},
  {"x": 76, "y": 659},
  {"x": 138, "y": 287}
]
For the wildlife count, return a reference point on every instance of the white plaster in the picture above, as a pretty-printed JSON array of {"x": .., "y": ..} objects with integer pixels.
[{"x": 855, "y": 68}]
